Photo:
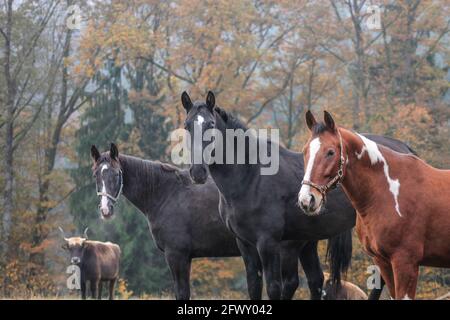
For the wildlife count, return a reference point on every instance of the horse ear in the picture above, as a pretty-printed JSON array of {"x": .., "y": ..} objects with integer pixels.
[
  {"x": 186, "y": 101},
  {"x": 329, "y": 122},
  {"x": 95, "y": 154},
  {"x": 210, "y": 101},
  {"x": 114, "y": 152},
  {"x": 310, "y": 120}
]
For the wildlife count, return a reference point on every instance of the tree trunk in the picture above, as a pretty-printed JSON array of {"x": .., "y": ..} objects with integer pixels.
[
  {"x": 9, "y": 136},
  {"x": 39, "y": 231}
]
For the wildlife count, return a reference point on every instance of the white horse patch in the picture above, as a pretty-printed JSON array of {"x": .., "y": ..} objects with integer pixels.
[
  {"x": 314, "y": 147},
  {"x": 200, "y": 119},
  {"x": 375, "y": 156},
  {"x": 104, "y": 202}
]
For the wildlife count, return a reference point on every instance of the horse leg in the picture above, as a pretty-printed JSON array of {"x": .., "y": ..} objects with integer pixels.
[
  {"x": 112, "y": 284},
  {"x": 100, "y": 287},
  {"x": 387, "y": 274},
  {"x": 253, "y": 269},
  {"x": 289, "y": 269},
  {"x": 311, "y": 265},
  {"x": 406, "y": 273},
  {"x": 269, "y": 252},
  {"x": 180, "y": 267}
]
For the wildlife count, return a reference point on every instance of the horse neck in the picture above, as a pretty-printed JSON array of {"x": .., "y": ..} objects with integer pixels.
[
  {"x": 143, "y": 184},
  {"x": 360, "y": 175},
  {"x": 231, "y": 173}
]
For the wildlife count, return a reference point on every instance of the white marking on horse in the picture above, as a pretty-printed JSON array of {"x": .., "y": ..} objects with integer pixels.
[
  {"x": 406, "y": 297},
  {"x": 314, "y": 147},
  {"x": 104, "y": 202},
  {"x": 359, "y": 155},
  {"x": 375, "y": 156},
  {"x": 200, "y": 119}
]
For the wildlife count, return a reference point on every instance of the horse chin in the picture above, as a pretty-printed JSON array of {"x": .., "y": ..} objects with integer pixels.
[
  {"x": 315, "y": 212},
  {"x": 198, "y": 174},
  {"x": 199, "y": 181}
]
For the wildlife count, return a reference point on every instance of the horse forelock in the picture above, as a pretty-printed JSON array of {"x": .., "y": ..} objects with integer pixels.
[
  {"x": 319, "y": 128},
  {"x": 105, "y": 158}
]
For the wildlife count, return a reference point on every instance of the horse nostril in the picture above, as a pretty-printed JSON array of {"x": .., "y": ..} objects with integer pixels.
[
  {"x": 312, "y": 202},
  {"x": 304, "y": 206},
  {"x": 104, "y": 211}
]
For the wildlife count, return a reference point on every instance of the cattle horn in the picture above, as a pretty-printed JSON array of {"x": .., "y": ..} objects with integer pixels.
[
  {"x": 63, "y": 233},
  {"x": 85, "y": 233}
]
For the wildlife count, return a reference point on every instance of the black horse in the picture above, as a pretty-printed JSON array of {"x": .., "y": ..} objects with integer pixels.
[
  {"x": 184, "y": 220},
  {"x": 262, "y": 209}
]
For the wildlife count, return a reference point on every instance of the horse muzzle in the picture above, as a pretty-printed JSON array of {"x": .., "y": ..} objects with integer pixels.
[
  {"x": 199, "y": 174},
  {"x": 107, "y": 212},
  {"x": 310, "y": 203}
]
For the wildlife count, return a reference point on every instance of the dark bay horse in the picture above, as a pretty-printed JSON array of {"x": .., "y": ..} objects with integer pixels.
[
  {"x": 402, "y": 203},
  {"x": 262, "y": 210},
  {"x": 184, "y": 219}
]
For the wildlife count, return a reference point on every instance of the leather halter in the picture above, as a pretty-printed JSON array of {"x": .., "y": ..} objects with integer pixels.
[
  {"x": 337, "y": 179},
  {"x": 106, "y": 194}
]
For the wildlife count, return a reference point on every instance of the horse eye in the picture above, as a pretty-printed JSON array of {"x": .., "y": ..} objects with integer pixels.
[{"x": 330, "y": 153}]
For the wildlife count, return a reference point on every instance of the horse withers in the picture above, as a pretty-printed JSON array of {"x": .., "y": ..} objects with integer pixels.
[
  {"x": 98, "y": 262},
  {"x": 403, "y": 216}
]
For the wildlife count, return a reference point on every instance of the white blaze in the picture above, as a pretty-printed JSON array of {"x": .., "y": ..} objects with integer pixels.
[
  {"x": 104, "y": 201},
  {"x": 198, "y": 140},
  {"x": 314, "y": 147},
  {"x": 200, "y": 119},
  {"x": 375, "y": 156}
]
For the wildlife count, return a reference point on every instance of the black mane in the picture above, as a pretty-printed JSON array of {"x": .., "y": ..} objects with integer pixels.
[
  {"x": 230, "y": 120},
  {"x": 155, "y": 168}
]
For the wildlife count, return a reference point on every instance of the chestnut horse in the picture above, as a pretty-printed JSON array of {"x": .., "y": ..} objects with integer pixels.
[{"x": 402, "y": 203}]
